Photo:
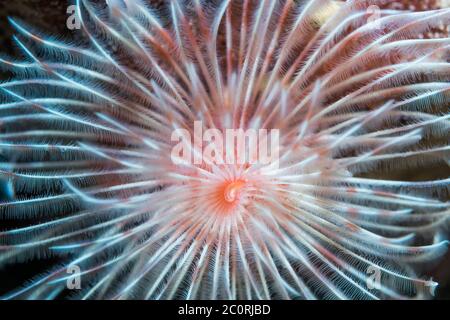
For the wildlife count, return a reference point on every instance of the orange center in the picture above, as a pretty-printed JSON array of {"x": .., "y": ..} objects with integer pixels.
[{"x": 232, "y": 190}]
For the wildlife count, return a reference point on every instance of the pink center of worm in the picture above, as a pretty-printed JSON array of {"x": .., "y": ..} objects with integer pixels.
[{"x": 232, "y": 190}]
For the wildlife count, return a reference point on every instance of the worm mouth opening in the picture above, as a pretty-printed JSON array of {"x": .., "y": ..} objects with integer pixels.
[{"x": 232, "y": 190}]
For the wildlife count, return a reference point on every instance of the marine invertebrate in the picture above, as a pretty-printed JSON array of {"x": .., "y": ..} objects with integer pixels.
[{"x": 87, "y": 133}]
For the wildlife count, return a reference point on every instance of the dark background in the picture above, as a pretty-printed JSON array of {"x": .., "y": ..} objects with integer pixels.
[{"x": 50, "y": 17}]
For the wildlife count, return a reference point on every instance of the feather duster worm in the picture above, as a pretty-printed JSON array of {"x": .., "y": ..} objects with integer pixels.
[{"x": 86, "y": 134}]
